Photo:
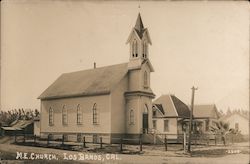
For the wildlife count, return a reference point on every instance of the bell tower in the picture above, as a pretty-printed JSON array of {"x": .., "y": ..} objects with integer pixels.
[
  {"x": 138, "y": 40},
  {"x": 139, "y": 94}
]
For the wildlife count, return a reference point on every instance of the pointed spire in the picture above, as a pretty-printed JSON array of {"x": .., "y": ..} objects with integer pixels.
[{"x": 139, "y": 26}]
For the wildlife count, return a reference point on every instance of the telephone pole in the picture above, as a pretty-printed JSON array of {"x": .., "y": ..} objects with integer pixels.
[{"x": 191, "y": 119}]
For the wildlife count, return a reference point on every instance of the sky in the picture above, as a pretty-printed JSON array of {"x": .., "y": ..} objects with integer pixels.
[{"x": 203, "y": 44}]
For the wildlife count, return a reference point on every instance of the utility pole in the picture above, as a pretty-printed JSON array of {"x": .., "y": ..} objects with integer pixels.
[{"x": 191, "y": 119}]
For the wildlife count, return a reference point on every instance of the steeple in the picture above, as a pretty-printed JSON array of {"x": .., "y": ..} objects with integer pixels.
[
  {"x": 138, "y": 40},
  {"x": 139, "y": 26}
]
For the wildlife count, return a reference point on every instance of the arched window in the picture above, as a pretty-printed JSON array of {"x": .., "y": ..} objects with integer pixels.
[
  {"x": 136, "y": 49},
  {"x": 64, "y": 115},
  {"x": 133, "y": 49},
  {"x": 79, "y": 115},
  {"x": 131, "y": 117},
  {"x": 144, "y": 49},
  {"x": 51, "y": 116},
  {"x": 145, "y": 79},
  {"x": 95, "y": 114}
]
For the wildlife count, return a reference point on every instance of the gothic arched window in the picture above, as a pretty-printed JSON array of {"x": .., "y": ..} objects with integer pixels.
[
  {"x": 64, "y": 115},
  {"x": 79, "y": 115},
  {"x": 95, "y": 114},
  {"x": 51, "y": 116},
  {"x": 144, "y": 49},
  {"x": 134, "y": 48},
  {"x": 131, "y": 117},
  {"x": 145, "y": 79}
]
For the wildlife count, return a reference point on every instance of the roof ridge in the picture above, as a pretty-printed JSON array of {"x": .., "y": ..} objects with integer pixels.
[{"x": 97, "y": 68}]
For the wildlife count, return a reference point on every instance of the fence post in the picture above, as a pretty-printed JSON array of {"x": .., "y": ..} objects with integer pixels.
[
  {"x": 48, "y": 140},
  {"x": 24, "y": 139},
  {"x": 195, "y": 139},
  {"x": 140, "y": 142},
  {"x": 232, "y": 138},
  {"x": 63, "y": 140},
  {"x": 215, "y": 141},
  {"x": 121, "y": 144},
  {"x": 15, "y": 137},
  {"x": 184, "y": 141},
  {"x": 101, "y": 142},
  {"x": 166, "y": 143},
  {"x": 34, "y": 139},
  {"x": 84, "y": 142}
]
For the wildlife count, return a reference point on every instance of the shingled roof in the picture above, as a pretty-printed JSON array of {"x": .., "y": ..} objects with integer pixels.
[
  {"x": 87, "y": 82},
  {"x": 205, "y": 111},
  {"x": 172, "y": 106}
]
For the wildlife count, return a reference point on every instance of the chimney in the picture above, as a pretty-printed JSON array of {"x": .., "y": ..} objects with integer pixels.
[{"x": 94, "y": 65}]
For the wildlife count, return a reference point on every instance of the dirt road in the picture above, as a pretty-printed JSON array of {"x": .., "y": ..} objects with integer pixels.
[{"x": 34, "y": 155}]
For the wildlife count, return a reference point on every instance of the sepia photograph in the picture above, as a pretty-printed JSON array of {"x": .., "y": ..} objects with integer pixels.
[{"x": 128, "y": 81}]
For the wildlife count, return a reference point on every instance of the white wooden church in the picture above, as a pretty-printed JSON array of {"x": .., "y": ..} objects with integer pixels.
[{"x": 109, "y": 102}]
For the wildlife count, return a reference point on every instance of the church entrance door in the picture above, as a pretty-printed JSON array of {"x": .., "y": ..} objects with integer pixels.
[
  {"x": 145, "y": 120},
  {"x": 145, "y": 123}
]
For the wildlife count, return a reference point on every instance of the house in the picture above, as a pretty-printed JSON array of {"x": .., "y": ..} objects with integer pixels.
[
  {"x": 238, "y": 122},
  {"x": 19, "y": 127},
  {"x": 204, "y": 116},
  {"x": 170, "y": 116},
  {"x": 109, "y": 102}
]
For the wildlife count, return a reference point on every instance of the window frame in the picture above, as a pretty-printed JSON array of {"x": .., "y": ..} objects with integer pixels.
[
  {"x": 64, "y": 115},
  {"x": 145, "y": 79},
  {"x": 79, "y": 113},
  {"x": 51, "y": 116},
  {"x": 95, "y": 114},
  {"x": 154, "y": 124},
  {"x": 131, "y": 117},
  {"x": 166, "y": 128}
]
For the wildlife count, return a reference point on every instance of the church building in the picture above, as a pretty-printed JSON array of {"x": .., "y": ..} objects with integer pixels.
[{"x": 109, "y": 102}]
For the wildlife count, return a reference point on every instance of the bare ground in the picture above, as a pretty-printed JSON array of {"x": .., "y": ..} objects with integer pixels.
[{"x": 231, "y": 154}]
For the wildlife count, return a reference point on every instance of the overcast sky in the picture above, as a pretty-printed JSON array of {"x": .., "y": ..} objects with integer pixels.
[{"x": 205, "y": 44}]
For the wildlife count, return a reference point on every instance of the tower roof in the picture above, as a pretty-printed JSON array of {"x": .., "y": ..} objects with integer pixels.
[{"x": 139, "y": 26}]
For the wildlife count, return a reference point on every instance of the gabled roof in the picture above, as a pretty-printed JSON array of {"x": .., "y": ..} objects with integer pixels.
[
  {"x": 87, "y": 82},
  {"x": 205, "y": 111},
  {"x": 172, "y": 106}
]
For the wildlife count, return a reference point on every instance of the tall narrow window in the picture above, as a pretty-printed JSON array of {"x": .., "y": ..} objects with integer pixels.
[
  {"x": 51, "y": 116},
  {"x": 144, "y": 49},
  {"x": 95, "y": 114},
  {"x": 131, "y": 117},
  {"x": 79, "y": 115},
  {"x": 136, "y": 49},
  {"x": 133, "y": 49},
  {"x": 154, "y": 124},
  {"x": 64, "y": 115},
  {"x": 145, "y": 79},
  {"x": 166, "y": 125}
]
